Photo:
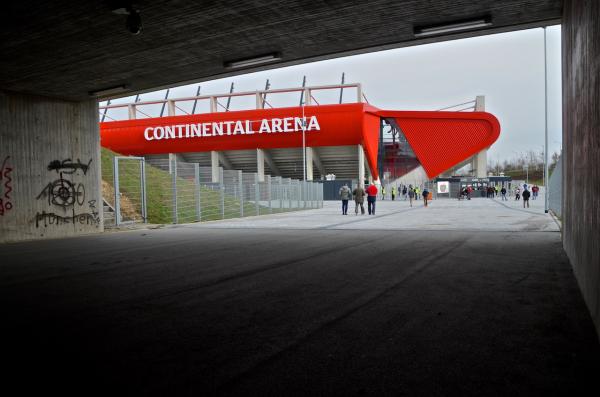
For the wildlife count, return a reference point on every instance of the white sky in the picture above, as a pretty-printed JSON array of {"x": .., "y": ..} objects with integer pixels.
[{"x": 507, "y": 68}]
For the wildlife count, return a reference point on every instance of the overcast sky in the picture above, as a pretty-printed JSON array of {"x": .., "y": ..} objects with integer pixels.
[{"x": 507, "y": 68}]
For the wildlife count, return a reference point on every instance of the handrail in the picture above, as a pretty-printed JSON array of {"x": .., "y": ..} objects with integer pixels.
[{"x": 238, "y": 94}]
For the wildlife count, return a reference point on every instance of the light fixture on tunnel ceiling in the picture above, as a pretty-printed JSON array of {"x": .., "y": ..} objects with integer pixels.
[
  {"x": 259, "y": 60},
  {"x": 110, "y": 91},
  {"x": 452, "y": 27}
]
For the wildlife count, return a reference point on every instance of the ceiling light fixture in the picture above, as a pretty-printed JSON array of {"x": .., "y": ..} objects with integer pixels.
[
  {"x": 242, "y": 63},
  {"x": 452, "y": 27},
  {"x": 110, "y": 91}
]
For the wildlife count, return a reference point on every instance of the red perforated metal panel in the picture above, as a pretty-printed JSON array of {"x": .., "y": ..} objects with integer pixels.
[{"x": 441, "y": 140}]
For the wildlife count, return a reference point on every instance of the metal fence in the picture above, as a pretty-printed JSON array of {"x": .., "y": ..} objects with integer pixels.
[
  {"x": 181, "y": 192},
  {"x": 555, "y": 189},
  {"x": 129, "y": 174}
]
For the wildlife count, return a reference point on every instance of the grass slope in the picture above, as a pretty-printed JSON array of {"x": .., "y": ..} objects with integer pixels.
[{"x": 159, "y": 200}]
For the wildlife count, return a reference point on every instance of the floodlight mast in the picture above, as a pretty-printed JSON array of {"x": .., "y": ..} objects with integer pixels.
[
  {"x": 303, "y": 142},
  {"x": 545, "y": 126}
]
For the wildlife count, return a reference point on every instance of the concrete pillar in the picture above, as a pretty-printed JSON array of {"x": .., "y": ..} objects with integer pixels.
[
  {"x": 480, "y": 159},
  {"x": 309, "y": 164},
  {"x": 47, "y": 145},
  {"x": 214, "y": 164},
  {"x": 581, "y": 139},
  {"x": 260, "y": 164},
  {"x": 361, "y": 165}
]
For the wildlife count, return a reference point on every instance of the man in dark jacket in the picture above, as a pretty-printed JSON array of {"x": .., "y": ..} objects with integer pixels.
[
  {"x": 425, "y": 196},
  {"x": 371, "y": 198},
  {"x": 526, "y": 195}
]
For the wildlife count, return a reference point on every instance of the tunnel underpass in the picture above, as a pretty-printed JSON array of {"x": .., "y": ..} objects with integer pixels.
[{"x": 319, "y": 304}]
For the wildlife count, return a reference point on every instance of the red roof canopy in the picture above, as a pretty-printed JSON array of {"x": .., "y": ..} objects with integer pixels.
[{"x": 440, "y": 140}]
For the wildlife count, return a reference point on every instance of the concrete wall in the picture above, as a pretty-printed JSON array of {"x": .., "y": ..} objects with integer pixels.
[
  {"x": 49, "y": 168},
  {"x": 581, "y": 146}
]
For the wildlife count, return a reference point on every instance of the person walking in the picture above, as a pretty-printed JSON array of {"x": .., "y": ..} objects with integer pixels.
[
  {"x": 411, "y": 195},
  {"x": 404, "y": 192},
  {"x": 359, "y": 199},
  {"x": 517, "y": 194},
  {"x": 425, "y": 196},
  {"x": 371, "y": 198},
  {"x": 393, "y": 193},
  {"x": 534, "y": 192},
  {"x": 526, "y": 195},
  {"x": 345, "y": 196},
  {"x": 496, "y": 190},
  {"x": 382, "y": 192},
  {"x": 417, "y": 191},
  {"x": 503, "y": 192}
]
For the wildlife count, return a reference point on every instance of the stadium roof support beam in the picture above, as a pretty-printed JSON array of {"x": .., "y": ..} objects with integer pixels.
[
  {"x": 225, "y": 161},
  {"x": 317, "y": 161},
  {"x": 269, "y": 159}
]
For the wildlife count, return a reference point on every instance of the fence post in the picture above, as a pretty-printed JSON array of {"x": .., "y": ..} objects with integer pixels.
[
  {"x": 241, "y": 188},
  {"x": 321, "y": 194},
  {"x": 143, "y": 189},
  {"x": 197, "y": 196},
  {"x": 222, "y": 190},
  {"x": 290, "y": 193},
  {"x": 173, "y": 161},
  {"x": 280, "y": 194},
  {"x": 270, "y": 193},
  {"x": 116, "y": 186},
  {"x": 257, "y": 193}
]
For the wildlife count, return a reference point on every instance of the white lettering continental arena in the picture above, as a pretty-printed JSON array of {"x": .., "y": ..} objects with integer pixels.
[{"x": 240, "y": 127}]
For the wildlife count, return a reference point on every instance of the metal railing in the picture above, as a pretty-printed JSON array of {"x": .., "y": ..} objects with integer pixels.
[
  {"x": 554, "y": 189},
  {"x": 174, "y": 108}
]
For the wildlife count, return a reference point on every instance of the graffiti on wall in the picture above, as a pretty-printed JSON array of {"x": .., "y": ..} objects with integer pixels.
[
  {"x": 5, "y": 186},
  {"x": 66, "y": 198}
]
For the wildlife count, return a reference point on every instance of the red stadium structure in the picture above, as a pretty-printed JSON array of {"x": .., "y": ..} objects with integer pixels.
[{"x": 437, "y": 140}]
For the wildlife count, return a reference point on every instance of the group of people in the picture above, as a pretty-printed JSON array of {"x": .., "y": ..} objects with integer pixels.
[
  {"x": 402, "y": 190},
  {"x": 371, "y": 193},
  {"x": 493, "y": 191},
  {"x": 533, "y": 194},
  {"x": 411, "y": 194}
]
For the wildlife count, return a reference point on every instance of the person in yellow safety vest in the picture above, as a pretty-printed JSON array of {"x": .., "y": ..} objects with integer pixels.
[
  {"x": 393, "y": 193},
  {"x": 417, "y": 191},
  {"x": 382, "y": 192}
]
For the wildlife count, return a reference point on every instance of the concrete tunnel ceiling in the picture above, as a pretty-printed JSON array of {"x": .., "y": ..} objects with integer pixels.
[{"x": 67, "y": 49}]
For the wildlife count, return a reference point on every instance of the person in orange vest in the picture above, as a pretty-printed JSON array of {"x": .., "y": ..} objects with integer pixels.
[{"x": 371, "y": 198}]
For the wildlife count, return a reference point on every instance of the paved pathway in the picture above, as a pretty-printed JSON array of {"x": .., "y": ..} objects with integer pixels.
[{"x": 444, "y": 214}]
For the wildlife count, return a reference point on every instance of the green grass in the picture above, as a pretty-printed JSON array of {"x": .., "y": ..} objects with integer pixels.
[{"x": 159, "y": 194}]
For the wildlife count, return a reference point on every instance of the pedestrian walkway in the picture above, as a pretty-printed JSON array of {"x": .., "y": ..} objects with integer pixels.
[{"x": 480, "y": 214}]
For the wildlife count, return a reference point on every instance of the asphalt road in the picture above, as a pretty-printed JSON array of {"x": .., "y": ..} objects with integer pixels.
[{"x": 350, "y": 310}]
